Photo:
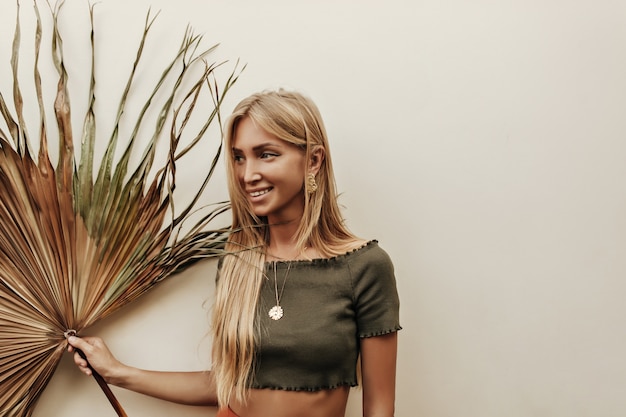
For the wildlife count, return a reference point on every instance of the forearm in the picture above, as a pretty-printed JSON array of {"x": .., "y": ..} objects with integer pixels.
[
  {"x": 190, "y": 388},
  {"x": 378, "y": 366}
]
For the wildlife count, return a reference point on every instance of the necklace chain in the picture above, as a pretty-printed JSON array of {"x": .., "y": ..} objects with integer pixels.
[{"x": 277, "y": 312}]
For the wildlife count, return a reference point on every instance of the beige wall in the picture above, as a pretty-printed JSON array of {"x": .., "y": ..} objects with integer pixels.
[{"x": 483, "y": 143}]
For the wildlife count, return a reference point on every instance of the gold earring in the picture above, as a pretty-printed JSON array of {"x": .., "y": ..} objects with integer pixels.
[{"x": 311, "y": 184}]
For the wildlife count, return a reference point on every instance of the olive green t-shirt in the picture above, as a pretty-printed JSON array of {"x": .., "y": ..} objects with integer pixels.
[{"x": 329, "y": 305}]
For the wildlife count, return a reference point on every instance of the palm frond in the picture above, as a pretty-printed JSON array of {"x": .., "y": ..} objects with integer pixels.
[{"x": 74, "y": 249}]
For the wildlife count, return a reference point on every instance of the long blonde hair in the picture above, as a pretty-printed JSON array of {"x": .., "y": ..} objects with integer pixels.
[{"x": 292, "y": 117}]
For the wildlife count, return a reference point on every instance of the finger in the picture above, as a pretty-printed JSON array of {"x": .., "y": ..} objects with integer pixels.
[
  {"x": 86, "y": 371},
  {"x": 80, "y": 361},
  {"x": 78, "y": 343}
]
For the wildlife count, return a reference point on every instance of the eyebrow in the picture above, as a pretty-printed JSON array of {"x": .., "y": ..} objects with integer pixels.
[{"x": 261, "y": 146}]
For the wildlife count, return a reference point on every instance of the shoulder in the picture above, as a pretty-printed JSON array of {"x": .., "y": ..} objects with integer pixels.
[
  {"x": 369, "y": 259},
  {"x": 357, "y": 257},
  {"x": 370, "y": 250}
]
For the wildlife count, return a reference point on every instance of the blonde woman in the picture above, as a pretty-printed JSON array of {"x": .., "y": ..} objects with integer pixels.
[{"x": 299, "y": 298}]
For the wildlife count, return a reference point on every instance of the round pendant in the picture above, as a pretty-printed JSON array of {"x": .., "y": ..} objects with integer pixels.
[{"x": 276, "y": 313}]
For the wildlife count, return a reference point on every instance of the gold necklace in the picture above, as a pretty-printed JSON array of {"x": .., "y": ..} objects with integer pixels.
[{"x": 277, "y": 312}]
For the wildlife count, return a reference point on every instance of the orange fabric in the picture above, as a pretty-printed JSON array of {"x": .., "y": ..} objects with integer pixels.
[{"x": 226, "y": 412}]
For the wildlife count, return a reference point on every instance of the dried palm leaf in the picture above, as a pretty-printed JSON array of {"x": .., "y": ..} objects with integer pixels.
[{"x": 73, "y": 249}]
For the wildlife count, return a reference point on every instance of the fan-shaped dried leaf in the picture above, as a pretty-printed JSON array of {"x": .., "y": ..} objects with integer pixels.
[{"x": 74, "y": 250}]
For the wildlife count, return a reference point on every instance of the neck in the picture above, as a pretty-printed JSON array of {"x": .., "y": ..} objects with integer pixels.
[{"x": 282, "y": 241}]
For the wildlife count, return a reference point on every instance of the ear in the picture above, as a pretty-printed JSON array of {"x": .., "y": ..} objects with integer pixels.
[{"x": 318, "y": 153}]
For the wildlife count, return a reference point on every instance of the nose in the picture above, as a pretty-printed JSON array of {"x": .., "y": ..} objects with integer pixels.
[{"x": 250, "y": 173}]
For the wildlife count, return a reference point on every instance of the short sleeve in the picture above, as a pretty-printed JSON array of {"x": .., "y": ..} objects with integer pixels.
[{"x": 376, "y": 300}]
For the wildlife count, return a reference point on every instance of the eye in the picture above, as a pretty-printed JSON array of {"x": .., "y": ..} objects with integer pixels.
[
  {"x": 238, "y": 159},
  {"x": 267, "y": 155}
]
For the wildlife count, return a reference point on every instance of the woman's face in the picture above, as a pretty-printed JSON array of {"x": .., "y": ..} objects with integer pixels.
[{"x": 270, "y": 171}]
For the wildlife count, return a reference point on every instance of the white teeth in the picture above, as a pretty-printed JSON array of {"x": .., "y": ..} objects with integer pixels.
[{"x": 259, "y": 193}]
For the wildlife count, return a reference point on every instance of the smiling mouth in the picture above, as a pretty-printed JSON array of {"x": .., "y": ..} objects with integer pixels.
[{"x": 260, "y": 192}]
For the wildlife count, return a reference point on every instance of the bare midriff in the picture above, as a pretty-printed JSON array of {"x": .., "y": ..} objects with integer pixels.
[{"x": 280, "y": 403}]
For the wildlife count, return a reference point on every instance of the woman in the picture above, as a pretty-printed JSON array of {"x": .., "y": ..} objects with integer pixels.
[{"x": 299, "y": 298}]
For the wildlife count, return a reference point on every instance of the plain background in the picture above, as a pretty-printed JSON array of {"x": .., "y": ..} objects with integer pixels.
[{"x": 482, "y": 143}]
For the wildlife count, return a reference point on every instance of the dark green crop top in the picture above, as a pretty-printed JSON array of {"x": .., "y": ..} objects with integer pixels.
[{"x": 329, "y": 304}]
